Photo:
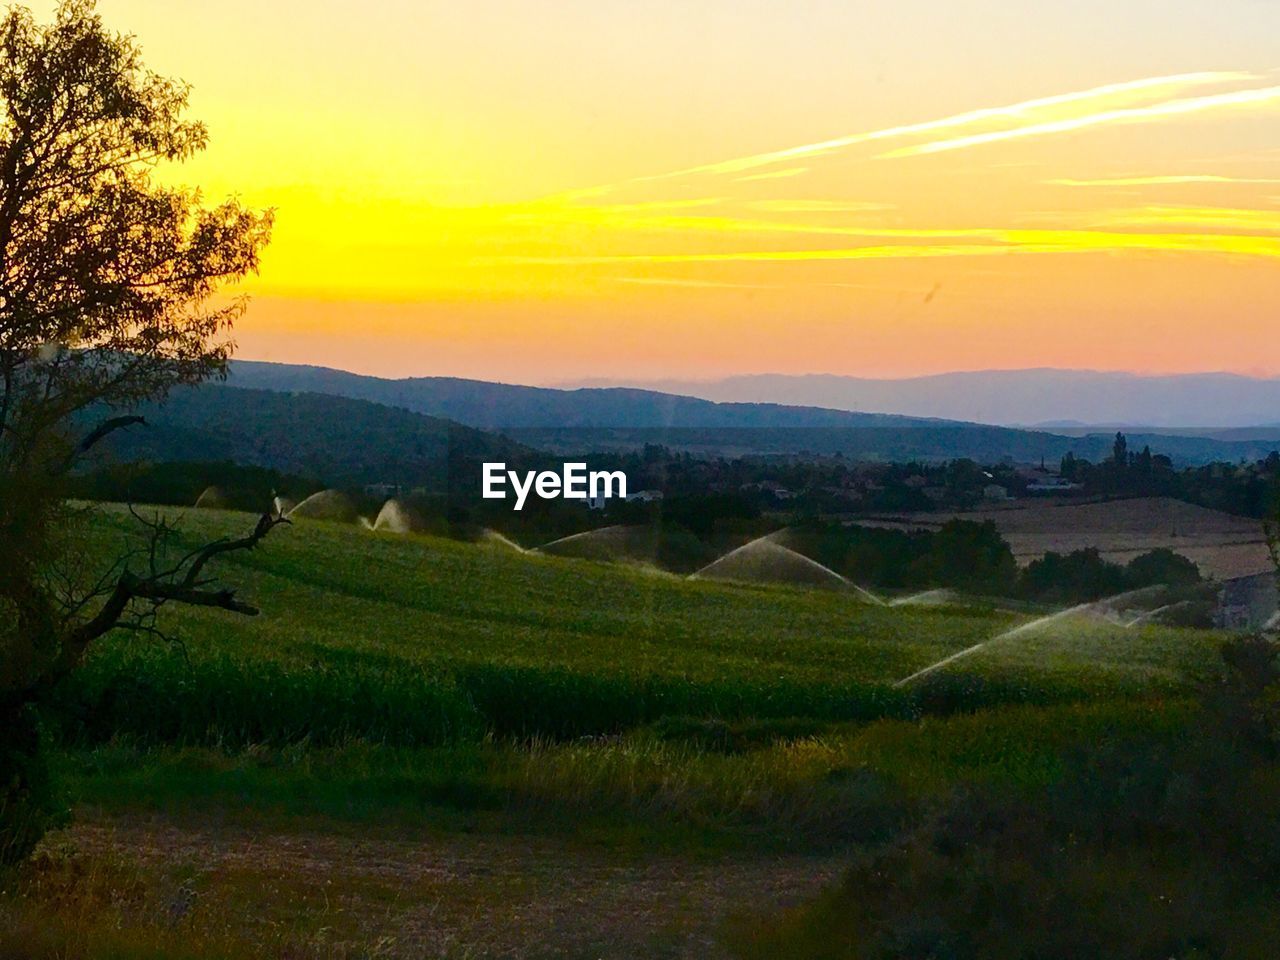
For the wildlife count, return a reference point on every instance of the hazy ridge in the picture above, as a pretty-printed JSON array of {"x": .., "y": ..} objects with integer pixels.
[{"x": 1040, "y": 398}]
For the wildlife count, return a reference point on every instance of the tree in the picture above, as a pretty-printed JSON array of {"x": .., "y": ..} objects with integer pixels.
[
  {"x": 1075, "y": 577},
  {"x": 973, "y": 557},
  {"x": 1161, "y": 567},
  {"x": 1068, "y": 466},
  {"x": 1120, "y": 451},
  {"x": 107, "y": 299}
]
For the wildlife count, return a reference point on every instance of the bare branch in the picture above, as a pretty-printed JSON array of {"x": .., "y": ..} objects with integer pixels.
[
  {"x": 177, "y": 585},
  {"x": 104, "y": 429},
  {"x": 266, "y": 523}
]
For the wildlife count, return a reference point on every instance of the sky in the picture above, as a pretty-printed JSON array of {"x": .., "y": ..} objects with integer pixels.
[{"x": 538, "y": 192}]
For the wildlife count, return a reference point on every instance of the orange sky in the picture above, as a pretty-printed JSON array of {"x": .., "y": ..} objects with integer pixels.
[{"x": 535, "y": 192}]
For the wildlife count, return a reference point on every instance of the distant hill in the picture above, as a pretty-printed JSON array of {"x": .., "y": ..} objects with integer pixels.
[
  {"x": 480, "y": 403},
  {"x": 342, "y": 441},
  {"x": 585, "y": 419},
  {"x": 1042, "y": 398}
]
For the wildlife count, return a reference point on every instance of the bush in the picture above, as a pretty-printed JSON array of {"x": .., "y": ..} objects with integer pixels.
[
  {"x": 972, "y": 557},
  {"x": 1072, "y": 578},
  {"x": 1161, "y": 566},
  {"x": 1164, "y": 846}
]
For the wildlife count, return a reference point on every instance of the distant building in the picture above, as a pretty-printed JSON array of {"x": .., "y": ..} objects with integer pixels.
[
  {"x": 382, "y": 489},
  {"x": 993, "y": 491},
  {"x": 644, "y": 496},
  {"x": 1053, "y": 484},
  {"x": 1248, "y": 603},
  {"x": 778, "y": 491}
]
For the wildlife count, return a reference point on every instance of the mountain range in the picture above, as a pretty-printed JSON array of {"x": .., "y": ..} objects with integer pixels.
[
  {"x": 1043, "y": 398},
  {"x": 612, "y": 418},
  {"x": 492, "y": 406}
]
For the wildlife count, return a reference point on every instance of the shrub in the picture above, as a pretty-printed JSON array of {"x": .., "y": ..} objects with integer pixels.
[
  {"x": 1075, "y": 577},
  {"x": 1151, "y": 847},
  {"x": 1161, "y": 566}
]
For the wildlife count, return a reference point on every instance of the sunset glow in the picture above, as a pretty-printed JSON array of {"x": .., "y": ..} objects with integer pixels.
[{"x": 542, "y": 192}]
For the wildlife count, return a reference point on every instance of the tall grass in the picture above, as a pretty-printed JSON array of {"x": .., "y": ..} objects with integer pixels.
[
  {"x": 797, "y": 783},
  {"x": 157, "y": 695}
]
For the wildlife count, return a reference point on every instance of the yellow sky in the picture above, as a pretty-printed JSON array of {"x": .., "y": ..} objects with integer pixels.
[{"x": 535, "y": 192}]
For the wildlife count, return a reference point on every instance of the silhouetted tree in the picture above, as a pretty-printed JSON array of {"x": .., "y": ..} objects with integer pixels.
[
  {"x": 973, "y": 557},
  {"x": 1120, "y": 451},
  {"x": 106, "y": 280},
  {"x": 1068, "y": 466}
]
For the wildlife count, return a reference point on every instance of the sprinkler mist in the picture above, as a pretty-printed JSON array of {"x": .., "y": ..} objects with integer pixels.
[
  {"x": 493, "y": 536},
  {"x": 925, "y": 598},
  {"x": 1151, "y": 615},
  {"x": 764, "y": 560},
  {"x": 1018, "y": 631},
  {"x": 629, "y": 544},
  {"x": 1105, "y": 608},
  {"x": 603, "y": 536}
]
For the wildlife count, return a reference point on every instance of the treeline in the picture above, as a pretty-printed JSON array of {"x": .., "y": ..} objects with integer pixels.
[
  {"x": 974, "y": 558},
  {"x": 181, "y": 484},
  {"x": 1247, "y": 490}
]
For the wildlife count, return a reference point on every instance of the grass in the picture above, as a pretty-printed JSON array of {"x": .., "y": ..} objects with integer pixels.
[
  {"x": 680, "y": 783},
  {"x": 419, "y": 641},
  {"x": 408, "y": 687}
]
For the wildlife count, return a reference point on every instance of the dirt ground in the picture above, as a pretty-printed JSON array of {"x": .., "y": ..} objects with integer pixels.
[
  {"x": 456, "y": 895},
  {"x": 1222, "y": 545}
]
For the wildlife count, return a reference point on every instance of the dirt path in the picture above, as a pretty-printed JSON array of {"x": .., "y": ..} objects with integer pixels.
[{"x": 459, "y": 895}]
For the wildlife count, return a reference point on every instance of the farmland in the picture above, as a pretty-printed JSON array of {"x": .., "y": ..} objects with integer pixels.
[
  {"x": 419, "y": 736},
  {"x": 1222, "y": 545}
]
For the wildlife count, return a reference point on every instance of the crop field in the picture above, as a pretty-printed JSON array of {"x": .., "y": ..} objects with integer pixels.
[
  {"x": 1222, "y": 545},
  {"x": 431, "y": 748}
]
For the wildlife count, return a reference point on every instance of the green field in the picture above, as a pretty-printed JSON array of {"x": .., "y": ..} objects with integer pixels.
[
  {"x": 419, "y": 641},
  {"x": 404, "y": 688}
]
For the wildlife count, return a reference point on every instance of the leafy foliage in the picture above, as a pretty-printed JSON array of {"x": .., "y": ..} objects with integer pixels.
[
  {"x": 1145, "y": 848},
  {"x": 105, "y": 302}
]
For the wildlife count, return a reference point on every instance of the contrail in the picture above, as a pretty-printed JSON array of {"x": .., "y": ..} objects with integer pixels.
[
  {"x": 1004, "y": 242},
  {"x": 1169, "y": 108},
  {"x": 1159, "y": 180},
  {"x": 960, "y": 119}
]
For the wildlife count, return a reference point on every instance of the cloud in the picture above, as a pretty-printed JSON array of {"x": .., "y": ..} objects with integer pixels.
[
  {"x": 817, "y": 206},
  {"x": 773, "y": 175},
  {"x": 1228, "y": 217},
  {"x": 1158, "y": 180},
  {"x": 1168, "y": 108},
  {"x": 681, "y": 282},
  {"x": 1003, "y": 242},
  {"x": 1011, "y": 111}
]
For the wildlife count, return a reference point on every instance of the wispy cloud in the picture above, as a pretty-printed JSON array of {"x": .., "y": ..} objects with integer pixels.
[
  {"x": 816, "y": 206},
  {"x": 773, "y": 175},
  {"x": 1003, "y": 242},
  {"x": 658, "y": 231},
  {"x": 1014, "y": 111},
  {"x": 1159, "y": 181},
  {"x": 682, "y": 282},
  {"x": 653, "y": 206},
  {"x": 1168, "y": 108},
  {"x": 1233, "y": 218}
]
